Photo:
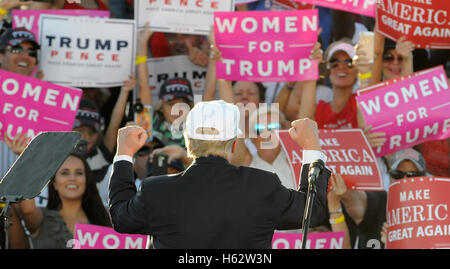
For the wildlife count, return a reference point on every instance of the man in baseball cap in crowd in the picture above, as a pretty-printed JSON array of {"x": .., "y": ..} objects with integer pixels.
[
  {"x": 18, "y": 51},
  {"x": 212, "y": 204},
  {"x": 18, "y": 54},
  {"x": 407, "y": 163},
  {"x": 89, "y": 123},
  {"x": 173, "y": 92}
]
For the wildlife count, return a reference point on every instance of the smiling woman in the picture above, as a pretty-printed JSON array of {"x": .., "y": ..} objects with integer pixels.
[{"x": 73, "y": 198}]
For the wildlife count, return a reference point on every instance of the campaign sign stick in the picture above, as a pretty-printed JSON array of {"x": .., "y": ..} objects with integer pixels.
[
  {"x": 88, "y": 236},
  {"x": 163, "y": 68},
  {"x": 93, "y": 57},
  {"x": 30, "y": 18},
  {"x": 425, "y": 23},
  {"x": 266, "y": 45},
  {"x": 362, "y": 7},
  {"x": 418, "y": 213},
  {"x": 179, "y": 16},
  {"x": 329, "y": 240},
  {"x": 410, "y": 110},
  {"x": 29, "y": 105},
  {"x": 348, "y": 153}
]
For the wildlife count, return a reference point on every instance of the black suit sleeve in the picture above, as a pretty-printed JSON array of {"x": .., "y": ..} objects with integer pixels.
[
  {"x": 126, "y": 205},
  {"x": 291, "y": 203}
]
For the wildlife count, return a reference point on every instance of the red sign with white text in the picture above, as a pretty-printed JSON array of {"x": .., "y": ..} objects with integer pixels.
[
  {"x": 417, "y": 213},
  {"x": 348, "y": 153},
  {"x": 425, "y": 23}
]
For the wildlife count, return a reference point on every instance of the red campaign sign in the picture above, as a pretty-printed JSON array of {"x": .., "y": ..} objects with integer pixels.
[
  {"x": 425, "y": 23},
  {"x": 348, "y": 153},
  {"x": 293, "y": 4},
  {"x": 417, "y": 213}
]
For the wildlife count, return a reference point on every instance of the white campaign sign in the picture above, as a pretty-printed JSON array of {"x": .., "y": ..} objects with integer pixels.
[
  {"x": 82, "y": 52},
  {"x": 180, "y": 16},
  {"x": 161, "y": 69}
]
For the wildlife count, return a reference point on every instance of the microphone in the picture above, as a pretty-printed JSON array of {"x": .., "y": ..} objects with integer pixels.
[{"x": 315, "y": 168}]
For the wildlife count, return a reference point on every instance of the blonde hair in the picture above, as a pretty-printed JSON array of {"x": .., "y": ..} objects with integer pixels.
[{"x": 204, "y": 148}]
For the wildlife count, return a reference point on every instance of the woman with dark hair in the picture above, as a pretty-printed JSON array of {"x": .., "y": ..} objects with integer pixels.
[{"x": 73, "y": 198}]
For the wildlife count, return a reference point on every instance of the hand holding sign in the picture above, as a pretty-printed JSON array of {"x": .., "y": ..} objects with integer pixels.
[
  {"x": 405, "y": 48},
  {"x": 305, "y": 133},
  {"x": 376, "y": 139},
  {"x": 129, "y": 84},
  {"x": 143, "y": 38},
  {"x": 196, "y": 55},
  {"x": 18, "y": 143}
]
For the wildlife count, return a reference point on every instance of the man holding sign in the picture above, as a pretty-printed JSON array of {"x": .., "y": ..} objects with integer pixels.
[{"x": 18, "y": 54}]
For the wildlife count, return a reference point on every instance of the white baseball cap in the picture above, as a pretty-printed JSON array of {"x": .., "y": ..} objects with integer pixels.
[
  {"x": 347, "y": 48},
  {"x": 213, "y": 120}
]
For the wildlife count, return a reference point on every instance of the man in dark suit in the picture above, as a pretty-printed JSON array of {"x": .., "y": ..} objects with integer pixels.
[{"x": 212, "y": 204}]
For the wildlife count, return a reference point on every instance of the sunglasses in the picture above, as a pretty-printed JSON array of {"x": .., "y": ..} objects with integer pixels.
[
  {"x": 259, "y": 128},
  {"x": 396, "y": 174},
  {"x": 333, "y": 63},
  {"x": 390, "y": 58},
  {"x": 32, "y": 52}
]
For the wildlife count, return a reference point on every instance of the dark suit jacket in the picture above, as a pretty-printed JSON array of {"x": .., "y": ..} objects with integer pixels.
[{"x": 212, "y": 204}]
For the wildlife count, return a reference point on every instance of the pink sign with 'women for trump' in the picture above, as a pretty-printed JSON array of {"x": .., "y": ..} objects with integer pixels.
[
  {"x": 88, "y": 236},
  {"x": 362, "y": 7},
  {"x": 30, "y": 106},
  {"x": 266, "y": 45},
  {"x": 330, "y": 240},
  {"x": 30, "y": 18},
  {"x": 410, "y": 110}
]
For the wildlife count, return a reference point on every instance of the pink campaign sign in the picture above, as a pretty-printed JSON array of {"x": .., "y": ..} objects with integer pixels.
[
  {"x": 30, "y": 18},
  {"x": 362, "y": 7},
  {"x": 98, "y": 237},
  {"x": 330, "y": 240},
  {"x": 410, "y": 110},
  {"x": 29, "y": 105},
  {"x": 266, "y": 45}
]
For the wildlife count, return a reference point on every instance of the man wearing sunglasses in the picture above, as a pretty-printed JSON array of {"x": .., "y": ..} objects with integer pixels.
[{"x": 18, "y": 51}]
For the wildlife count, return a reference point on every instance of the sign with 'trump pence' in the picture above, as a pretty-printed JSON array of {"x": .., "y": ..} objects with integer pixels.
[
  {"x": 93, "y": 57},
  {"x": 410, "y": 110},
  {"x": 179, "y": 16}
]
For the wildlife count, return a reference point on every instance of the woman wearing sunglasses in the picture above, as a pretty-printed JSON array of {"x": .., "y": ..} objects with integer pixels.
[
  {"x": 269, "y": 156},
  {"x": 392, "y": 59}
]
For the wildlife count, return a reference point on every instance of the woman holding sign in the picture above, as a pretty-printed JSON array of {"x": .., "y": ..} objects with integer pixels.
[{"x": 73, "y": 198}]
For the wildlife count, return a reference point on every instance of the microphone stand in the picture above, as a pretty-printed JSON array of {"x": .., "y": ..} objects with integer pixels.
[
  {"x": 308, "y": 208},
  {"x": 5, "y": 214}
]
